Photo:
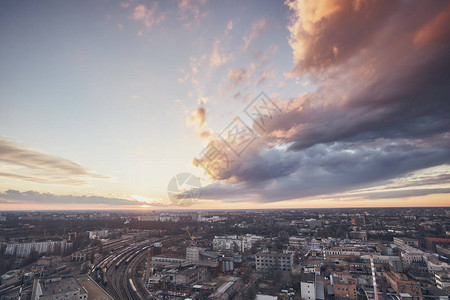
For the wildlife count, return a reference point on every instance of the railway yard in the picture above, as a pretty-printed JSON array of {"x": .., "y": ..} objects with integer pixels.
[{"x": 119, "y": 273}]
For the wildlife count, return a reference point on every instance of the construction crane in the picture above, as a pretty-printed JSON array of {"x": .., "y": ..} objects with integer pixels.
[{"x": 190, "y": 235}]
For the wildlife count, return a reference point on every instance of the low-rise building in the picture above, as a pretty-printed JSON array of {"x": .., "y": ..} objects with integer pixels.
[
  {"x": 188, "y": 275},
  {"x": 341, "y": 251},
  {"x": 58, "y": 288},
  {"x": 167, "y": 260},
  {"x": 442, "y": 281},
  {"x": 401, "y": 241},
  {"x": 411, "y": 255},
  {"x": 402, "y": 285},
  {"x": 344, "y": 288}
]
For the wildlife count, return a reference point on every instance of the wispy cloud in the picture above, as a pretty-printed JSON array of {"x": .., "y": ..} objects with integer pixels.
[
  {"x": 148, "y": 16},
  {"x": 218, "y": 56},
  {"x": 19, "y": 162},
  {"x": 256, "y": 31},
  {"x": 191, "y": 11},
  {"x": 198, "y": 117},
  {"x": 266, "y": 76},
  {"x": 239, "y": 76}
]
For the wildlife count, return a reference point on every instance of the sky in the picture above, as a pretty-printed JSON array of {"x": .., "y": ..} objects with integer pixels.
[{"x": 267, "y": 104}]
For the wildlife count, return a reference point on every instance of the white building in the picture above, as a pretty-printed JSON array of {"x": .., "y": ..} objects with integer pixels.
[
  {"x": 148, "y": 218},
  {"x": 98, "y": 234},
  {"x": 341, "y": 251},
  {"x": 24, "y": 249},
  {"x": 232, "y": 243},
  {"x": 380, "y": 259},
  {"x": 410, "y": 254},
  {"x": 308, "y": 286}
]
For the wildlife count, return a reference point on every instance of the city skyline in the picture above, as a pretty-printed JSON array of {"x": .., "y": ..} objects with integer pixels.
[{"x": 102, "y": 103}]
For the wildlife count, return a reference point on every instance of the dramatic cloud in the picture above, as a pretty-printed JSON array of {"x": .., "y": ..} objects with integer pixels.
[
  {"x": 323, "y": 33},
  {"x": 380, "y": 111},
  {"x": 275, "y": 174},
  {"x": 12, "y": 196},
  {"x": 18, "y": 162}
]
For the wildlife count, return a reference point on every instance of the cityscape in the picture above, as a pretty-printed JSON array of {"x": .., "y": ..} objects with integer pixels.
[
  {"x": 402, "y": 253},
  {"x": 225, "y": 150}
]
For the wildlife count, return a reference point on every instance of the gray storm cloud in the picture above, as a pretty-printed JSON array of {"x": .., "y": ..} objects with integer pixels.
[{"x": 382, "y": 108}]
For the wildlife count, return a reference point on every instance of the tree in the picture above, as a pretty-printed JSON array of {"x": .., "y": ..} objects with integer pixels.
[{"x": 31, "y": 258}]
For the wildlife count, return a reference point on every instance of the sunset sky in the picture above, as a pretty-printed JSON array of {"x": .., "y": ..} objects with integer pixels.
[{"x": 103, "y": 102}]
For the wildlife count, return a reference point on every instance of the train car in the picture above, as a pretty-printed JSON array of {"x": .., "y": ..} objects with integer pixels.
[
  {"x": 104, "y": 279},
  {"x": 134, "y": 292},
  {"x": 4, "y": 289},
  {"x": 48, "y": 273},
  {"x": 66, "y": 275},
  {"x": 121, "y": 260},
  {"x": 128, "y": 259},
  {"x": 59, "y": 269},
  {"x": 133, "y": 288}
]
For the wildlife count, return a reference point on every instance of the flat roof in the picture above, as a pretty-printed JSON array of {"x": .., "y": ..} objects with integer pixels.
[
  {"x": 95, "y": 292},
  {"x": 224, "y": 287}
]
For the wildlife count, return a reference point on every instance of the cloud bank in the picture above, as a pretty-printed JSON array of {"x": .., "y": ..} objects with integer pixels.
[
  {"x": 22, "y": 163},
  {"x": 13, "y": 196}
]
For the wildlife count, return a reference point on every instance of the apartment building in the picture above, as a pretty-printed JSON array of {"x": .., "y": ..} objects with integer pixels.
[
  {"x": 24, "y": 249},
  {"x": 402, "y": 285},
  {"x": 232, "y": 243},
  {"x": 344, "y": 288},
  {"x": 267, "y": 262}
]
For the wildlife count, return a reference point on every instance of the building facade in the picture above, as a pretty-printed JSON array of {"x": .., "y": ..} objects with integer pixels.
[{"x": 267, "y": 262}]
